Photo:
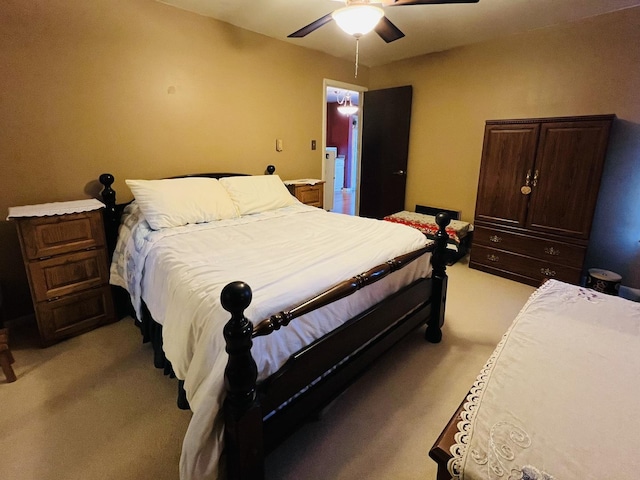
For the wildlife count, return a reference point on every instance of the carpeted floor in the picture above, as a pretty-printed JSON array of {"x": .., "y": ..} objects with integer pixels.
[{"x": 93, "y": 407}]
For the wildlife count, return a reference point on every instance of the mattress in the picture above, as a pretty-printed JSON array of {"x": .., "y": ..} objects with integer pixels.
[
  {"x": 558, "y": 397},
  {"x": 287, "y": 256}
]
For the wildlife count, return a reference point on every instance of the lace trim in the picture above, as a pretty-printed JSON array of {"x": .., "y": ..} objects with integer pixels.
[{"x": 468, "y": 414}]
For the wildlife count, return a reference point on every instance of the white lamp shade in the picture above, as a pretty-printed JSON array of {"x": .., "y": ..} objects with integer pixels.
[
  {"x": 358, "y": 19},
  {"x": 348, "y": 109}
]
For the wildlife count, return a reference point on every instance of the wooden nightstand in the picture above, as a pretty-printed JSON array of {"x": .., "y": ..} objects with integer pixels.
[
  {"x": 65, "y": 256},
  {"x": 307, "y": 192}
]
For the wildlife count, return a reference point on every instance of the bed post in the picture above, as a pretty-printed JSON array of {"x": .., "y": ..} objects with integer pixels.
[
  {"x": 242, "y": 412},
  {"x": 433, "y": 333},
  {"x": 111, "y": 217}
]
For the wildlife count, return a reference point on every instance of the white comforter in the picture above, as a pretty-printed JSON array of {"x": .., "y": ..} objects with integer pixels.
[
  {"x": 558, "y": 398},
  {"x": 287, "y": 256}
]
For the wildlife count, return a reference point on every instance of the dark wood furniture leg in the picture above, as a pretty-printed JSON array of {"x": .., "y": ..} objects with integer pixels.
[
  {"x": 243, "y": 415},
  {"x": 439, "y": 288},
  {"x": 6, "y": 358}
]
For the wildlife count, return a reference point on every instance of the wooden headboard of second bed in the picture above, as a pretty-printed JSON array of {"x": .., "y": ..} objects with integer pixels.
[{"x": 453, "y": 214}]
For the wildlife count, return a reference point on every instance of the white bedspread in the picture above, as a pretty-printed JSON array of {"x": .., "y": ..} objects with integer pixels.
[
  {"x": 287, "y": 256},
  {"x": 558, "y": 397}
]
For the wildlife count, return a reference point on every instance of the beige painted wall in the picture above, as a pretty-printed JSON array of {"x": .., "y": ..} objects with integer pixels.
[
  {"x": 591, "y": 67},
  {"x": 143, "y": 90}
]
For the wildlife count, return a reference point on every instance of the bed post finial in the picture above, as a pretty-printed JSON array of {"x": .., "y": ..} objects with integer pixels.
[
  {"x": 439, "y": 276},
  {"x": 271, "y": 169},
  {"x": 108, "y": 194},
  {"x": 242, "y": 413}
]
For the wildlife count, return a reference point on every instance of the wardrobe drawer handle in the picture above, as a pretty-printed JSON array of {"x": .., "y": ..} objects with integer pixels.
[
  {"x": 495, "y": 239},
  {"x": 552, "y": 251},
  {"x": 493, "y": 258},
  {"x": 547, "y": 273}
]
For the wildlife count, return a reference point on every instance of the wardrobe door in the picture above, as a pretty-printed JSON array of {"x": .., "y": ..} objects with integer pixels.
[
  {"x": 566, "y": 177},
  {"x": 507, "y": 158}
]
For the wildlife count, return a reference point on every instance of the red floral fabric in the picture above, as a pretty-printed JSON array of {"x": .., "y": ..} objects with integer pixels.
[{"x": 429, "y": 229}]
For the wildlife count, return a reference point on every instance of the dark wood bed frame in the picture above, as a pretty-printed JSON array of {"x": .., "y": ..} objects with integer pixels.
[
  {"x": 465, "y": 242},
  {"x": 259, "y": 415}
]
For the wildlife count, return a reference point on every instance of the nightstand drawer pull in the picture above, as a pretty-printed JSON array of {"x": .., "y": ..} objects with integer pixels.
[
  {"x": 552, "y": 251},
  {"x": 495, "y": 239},
  {"x": 547, "y": 273},
  {"x": 53, "y": 299},
  {"x": 493, "y": 258}
]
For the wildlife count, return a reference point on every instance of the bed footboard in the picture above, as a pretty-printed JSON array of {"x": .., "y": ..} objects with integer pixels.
[{"x": 248, "y": 435}]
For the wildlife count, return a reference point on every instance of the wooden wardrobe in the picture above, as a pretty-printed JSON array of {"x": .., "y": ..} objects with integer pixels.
[{"x": 537, "y": 192}]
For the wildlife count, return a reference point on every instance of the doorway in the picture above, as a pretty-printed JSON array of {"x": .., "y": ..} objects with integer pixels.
[{"x": 342, "y": 137}]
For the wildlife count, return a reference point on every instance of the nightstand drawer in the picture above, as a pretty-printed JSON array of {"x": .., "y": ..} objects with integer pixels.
[
  {"x": 543, "y": 249},
  {"x": 67, "y": 274},
  {"x": 310, "y": 195},
  {"x": 74, "y": 314},
  {"x": 533, "y": 269},
  {"x": 55, "y": 235}
]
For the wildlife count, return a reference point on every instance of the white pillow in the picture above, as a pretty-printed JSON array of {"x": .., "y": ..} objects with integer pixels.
[
  {"x": 257, "y": 193},
  {"x": 180, "y": 201}
]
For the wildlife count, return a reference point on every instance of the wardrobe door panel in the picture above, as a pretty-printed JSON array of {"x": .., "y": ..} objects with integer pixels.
[
  {"x": 508, "y": 156},
  {"x": 566, "y": 177}
]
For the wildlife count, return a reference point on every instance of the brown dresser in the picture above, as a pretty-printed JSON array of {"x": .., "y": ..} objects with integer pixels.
[
  {"x": 308, "y": 193},
  {"x": 537, "y": 192},
  {"x": 67, "y": 266}
]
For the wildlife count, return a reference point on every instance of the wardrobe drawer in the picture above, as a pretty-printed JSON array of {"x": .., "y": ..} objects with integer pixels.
[
  {"x": 540, "y": 248},
  {"x": 74, "y": 314},
  {"x": 534, "y": 269},
  {"x": 67, "y": 274}
]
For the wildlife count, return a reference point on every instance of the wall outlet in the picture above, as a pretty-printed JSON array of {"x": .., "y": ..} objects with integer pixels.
[{"x": 313, "y": 144}]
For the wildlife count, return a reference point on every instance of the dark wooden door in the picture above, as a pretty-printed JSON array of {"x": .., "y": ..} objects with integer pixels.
[
  {"x": 566, "y": 177},
  {"x": 385, "y": 149},
  {"x": 508, "y": 156}
]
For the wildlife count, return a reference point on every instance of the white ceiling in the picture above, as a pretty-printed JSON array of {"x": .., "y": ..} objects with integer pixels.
[{"x": 428, "y": 28}]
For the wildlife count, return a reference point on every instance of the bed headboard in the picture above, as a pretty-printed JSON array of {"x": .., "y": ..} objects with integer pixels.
[{"x": 453, "y": 214}]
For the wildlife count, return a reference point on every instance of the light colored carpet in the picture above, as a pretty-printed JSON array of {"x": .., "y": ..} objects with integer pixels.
[{"x": 90, "y": 407}]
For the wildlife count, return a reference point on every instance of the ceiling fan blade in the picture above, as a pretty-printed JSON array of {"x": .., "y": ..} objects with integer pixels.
[
  {"x": 429, "y": 2},
  {"x": 387, "y": 30},
  {"x": 304, "y": 31}
]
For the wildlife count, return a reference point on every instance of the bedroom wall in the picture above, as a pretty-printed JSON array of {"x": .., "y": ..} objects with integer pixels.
[
  {"x": 143, "y": 90},
  {"x": 590, "y": 67}
]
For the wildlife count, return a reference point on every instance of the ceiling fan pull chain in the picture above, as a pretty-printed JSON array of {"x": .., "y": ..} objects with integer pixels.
[{"x": 357, "y": 49}]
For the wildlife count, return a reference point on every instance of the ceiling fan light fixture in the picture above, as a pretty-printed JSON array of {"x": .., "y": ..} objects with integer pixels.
[{"x": 358, "y": 20}]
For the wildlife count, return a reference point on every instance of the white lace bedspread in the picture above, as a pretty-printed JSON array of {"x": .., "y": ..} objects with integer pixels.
[
  {"x": 559, "y": 396},
  {"x": 287, "y": 256}
]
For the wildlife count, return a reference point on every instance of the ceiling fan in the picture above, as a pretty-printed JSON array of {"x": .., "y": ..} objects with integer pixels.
[{"x": 366, "y": 15}]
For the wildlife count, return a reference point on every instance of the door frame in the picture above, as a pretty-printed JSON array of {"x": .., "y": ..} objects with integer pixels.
[{"x": 328, "y": 83}]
